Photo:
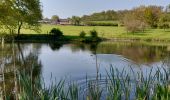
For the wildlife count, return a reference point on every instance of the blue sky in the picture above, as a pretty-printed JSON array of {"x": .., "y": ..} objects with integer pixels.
[{"x": 68, "y": 8}]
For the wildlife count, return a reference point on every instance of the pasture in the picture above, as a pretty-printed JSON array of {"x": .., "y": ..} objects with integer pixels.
[{"x": 108, "y": 32}]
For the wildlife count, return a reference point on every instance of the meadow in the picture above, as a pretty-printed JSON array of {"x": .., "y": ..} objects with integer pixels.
[{"x": 108, "y": 32}]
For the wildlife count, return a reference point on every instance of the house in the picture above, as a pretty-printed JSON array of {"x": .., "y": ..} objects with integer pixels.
[
  {"x": 64, "y": 22},
  {"x": 45, "y": 21},
  {"x": 57, "y": 22}
]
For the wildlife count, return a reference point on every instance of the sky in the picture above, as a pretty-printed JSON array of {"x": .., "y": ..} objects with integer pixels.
[{"x": 68, "y": 8}]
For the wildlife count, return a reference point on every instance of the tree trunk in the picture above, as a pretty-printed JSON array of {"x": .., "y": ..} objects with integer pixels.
[{"x": 19, "y": 27}]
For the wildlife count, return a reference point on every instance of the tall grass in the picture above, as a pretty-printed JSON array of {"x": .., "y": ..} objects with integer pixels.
[
  {"x": 95, "y": 92},
  {"x": 121, "y": 85},
  {"x": 74, "y": 91}
]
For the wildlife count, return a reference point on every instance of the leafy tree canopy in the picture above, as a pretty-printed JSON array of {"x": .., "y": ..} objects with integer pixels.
[{"x": 17, "y": 14}]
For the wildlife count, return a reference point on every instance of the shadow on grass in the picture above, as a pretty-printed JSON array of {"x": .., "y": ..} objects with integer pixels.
[
  {"x": 39, "y": 38},
  {"x": 138, "y": 33}
]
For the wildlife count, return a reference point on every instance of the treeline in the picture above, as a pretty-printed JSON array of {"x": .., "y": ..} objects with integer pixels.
[
  {"x": 136, "y": 19},
  {"x": 120, "y": 14},
  {"x": 101, "y": 23},
  {"x": 140, "y": 18},
  {"x": 101, "y": 16}
]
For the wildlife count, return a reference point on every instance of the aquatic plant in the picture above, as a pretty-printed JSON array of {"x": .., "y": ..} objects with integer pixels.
[
  {"x": 95, "y": 92},
  {"x": 74, "y": 91},
  {"x": 120, "y": 86}
]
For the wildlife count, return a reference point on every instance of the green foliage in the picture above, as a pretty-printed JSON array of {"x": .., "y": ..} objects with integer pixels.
[
  {"x": 163, "y": 25},
  {"x": 120, "y": 86},
  {"x": 54, "y": 18},
  {"x": 94, "y": 33},
  {"x": 16, "y": 14},
  {"x": 132, "y": 24},
  {"x": 56, "y": 32},
  {"x": 95, "y": 92},
  {"x": 152, "y": 15},
  {"x": 141, "y": 17},
  {"x": 164, "y": 21},
  {"x": 114, "y": 88},
  {"x": 75, "y": 20},
  {"x": 105, "y": 15},
  {"x": 93, "y": 23},
  {"x": 82, "y": 34},
  {"x": 93, "y": 37},
  {"x": 74, "y": 92}
]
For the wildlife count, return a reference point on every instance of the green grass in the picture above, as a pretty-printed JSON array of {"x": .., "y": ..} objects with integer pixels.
[{"x": 108, "y": 32}]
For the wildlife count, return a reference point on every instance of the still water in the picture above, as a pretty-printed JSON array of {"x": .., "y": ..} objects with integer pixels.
[{"x": 78, "y": 61}]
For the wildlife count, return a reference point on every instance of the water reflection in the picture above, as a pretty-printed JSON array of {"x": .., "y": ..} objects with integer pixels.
[
  {"x": 76, "y": 61},
  {"x": 138, "y": 52},
  {"x": 56, "y": 45},
  {"x": 17, "y": 57}
]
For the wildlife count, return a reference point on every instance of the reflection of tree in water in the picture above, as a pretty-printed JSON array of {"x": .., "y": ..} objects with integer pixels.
[
  {"x": 138, "y": 52},
  {"x": 28, "y": 63},
  {"x": 93, "y": 48},
  {"x": 84, "y": 47},
  {"x": 55, "y": 45},
  {"x": 81, "y": 46},
  {"x": 32, "y": 65},
  {"x": 166, "y": 61}
]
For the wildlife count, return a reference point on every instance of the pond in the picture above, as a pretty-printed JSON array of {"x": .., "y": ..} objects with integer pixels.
[{"x": 77, "y": 61}]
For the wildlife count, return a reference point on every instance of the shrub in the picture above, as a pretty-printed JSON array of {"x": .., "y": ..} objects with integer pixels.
[
  {"x": 101, "y": 24},
  {"x": 133, "y": 25},
  {"x": 93, "y": 34},
  {"x": 164, "y": 26},
  {"x": 56, "y": 32},
  {"x": 82, "y": 34}
]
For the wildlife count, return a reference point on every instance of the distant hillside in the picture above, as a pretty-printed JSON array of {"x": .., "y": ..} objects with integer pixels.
[{"x": 101, "y": 16}]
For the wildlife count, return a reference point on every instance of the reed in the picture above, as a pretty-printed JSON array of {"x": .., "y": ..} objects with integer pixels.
[
  {"x": 120, "y": 86},
  {"x": 95, "y": 92},
  {"x": 74, "y": 91}
]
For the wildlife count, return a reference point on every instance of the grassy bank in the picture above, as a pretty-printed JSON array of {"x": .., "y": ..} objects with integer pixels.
[
  {"x": 109, "y": 32},
  {"x": 48, "y": 38}
]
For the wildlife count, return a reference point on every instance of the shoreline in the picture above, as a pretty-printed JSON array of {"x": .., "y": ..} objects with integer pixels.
[{"x": 45, "y": 38}]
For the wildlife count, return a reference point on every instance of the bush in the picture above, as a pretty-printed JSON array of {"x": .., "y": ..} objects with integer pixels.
[
  {"x": 82, "y": 34},
  {"x": 56, "y": 32},
  {"x": 135, "y": 26},
  {"x": 101, "y": 24},
  {"x": 164, "y": 26},
  {"x": 93, "y": 34}
]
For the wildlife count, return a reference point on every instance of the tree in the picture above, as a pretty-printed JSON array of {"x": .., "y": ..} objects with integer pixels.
[
  {"x": 152, "y": 15},
  {"x": 82, "y": 34},
  {"x": 28, "y": 13},
  {"x": 19, "y": 13},
  {"x": 120, "y": 16},
  {"x": 133, "y": 24},
  {"x": 139, "y": 13},
  {"x": 164, "y": 21},
  {"x": 101, "y": 16},
  {"x": 7, "y": 21},
  {"x": 75, "y": 20},
  {"x": 167, "y": 9},
  {"x": 56, "y": 32},
  {"x": 54, "y": 18}
]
